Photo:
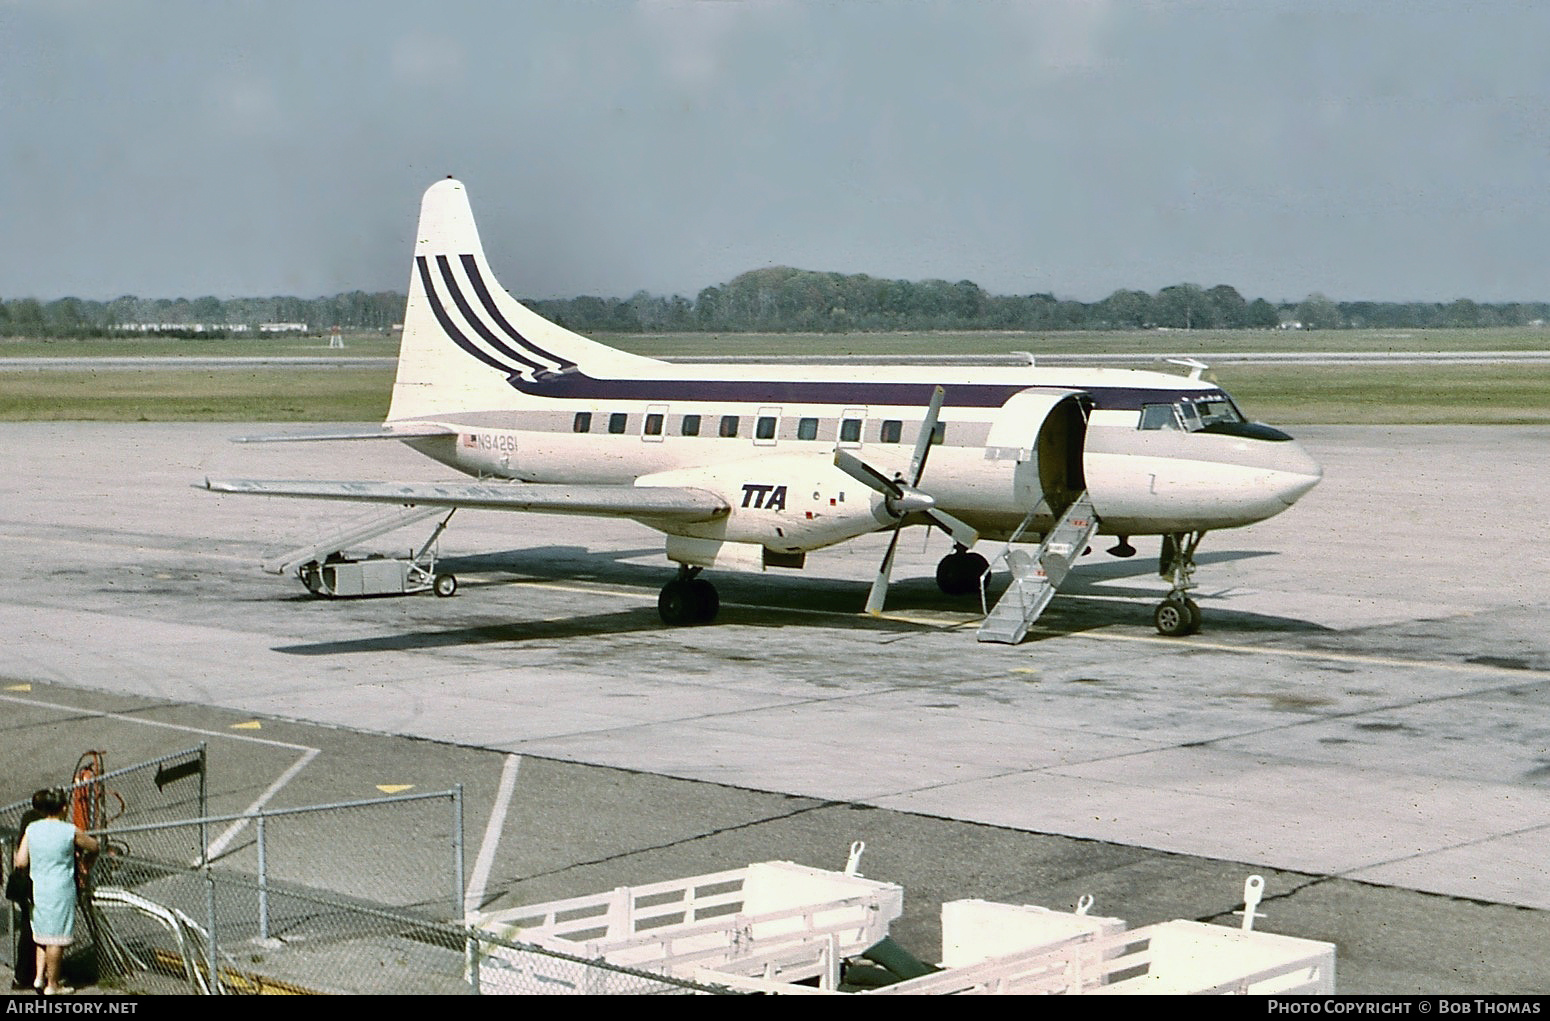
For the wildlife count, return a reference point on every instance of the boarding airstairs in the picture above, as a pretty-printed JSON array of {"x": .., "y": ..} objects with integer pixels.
[{"x": 1037, "y": 576}]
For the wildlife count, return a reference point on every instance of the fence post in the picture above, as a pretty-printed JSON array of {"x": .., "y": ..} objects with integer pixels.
[
  {"x": 459, "y": 893},
  {"x": 263, "y": 883},
  {"x": 213, "y": 962},
  {"x": 204, "y": 803},
  {"x": 458, "y": 881}
]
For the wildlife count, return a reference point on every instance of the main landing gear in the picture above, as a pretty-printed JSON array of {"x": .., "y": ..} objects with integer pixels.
[
  {"x": 959, "y": 572},
  {"x": 688, "y": 599},
  {"x": 1178, "y": 615}
]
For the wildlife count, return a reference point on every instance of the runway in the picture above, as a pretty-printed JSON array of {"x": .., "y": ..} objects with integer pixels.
[{"x": 1367, "y": 700}]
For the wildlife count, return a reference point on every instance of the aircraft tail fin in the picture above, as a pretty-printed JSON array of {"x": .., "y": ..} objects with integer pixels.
[{"x": 464, "y": 337}]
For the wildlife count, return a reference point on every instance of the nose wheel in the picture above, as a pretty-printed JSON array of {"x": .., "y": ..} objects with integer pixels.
[{"x": 1178, "y": 615}]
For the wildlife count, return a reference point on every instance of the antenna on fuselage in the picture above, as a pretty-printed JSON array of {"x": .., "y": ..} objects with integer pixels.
[{"x": 1195, "y": 366}]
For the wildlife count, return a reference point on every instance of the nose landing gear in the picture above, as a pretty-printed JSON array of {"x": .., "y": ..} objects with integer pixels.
[{"x": 1178, "y": 615}]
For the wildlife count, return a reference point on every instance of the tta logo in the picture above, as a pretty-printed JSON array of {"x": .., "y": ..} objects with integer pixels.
[{"x": 764, "y": 497}]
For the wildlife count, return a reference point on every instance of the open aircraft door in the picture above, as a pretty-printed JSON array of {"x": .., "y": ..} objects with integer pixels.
[{"x": 1045, "y": 432}]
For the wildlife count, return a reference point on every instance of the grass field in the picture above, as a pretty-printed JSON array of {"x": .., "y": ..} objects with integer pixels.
[{"x": 1341, "y": 394}]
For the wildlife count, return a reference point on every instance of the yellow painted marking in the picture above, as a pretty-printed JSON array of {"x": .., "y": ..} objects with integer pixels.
[
  {"x": 947, "y": 624},
  {"x": 394, "y": 788},
  {"x": 1024, "y": 670},
  {"x": 1320, "y": 654},
  {"x": 250, "y": 725},
  {"x": 18, "y": 687},
  {"x": 943, "y": 623}
]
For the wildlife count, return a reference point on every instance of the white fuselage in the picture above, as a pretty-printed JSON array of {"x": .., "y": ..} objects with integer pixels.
[{"x": 779, "y": 458}]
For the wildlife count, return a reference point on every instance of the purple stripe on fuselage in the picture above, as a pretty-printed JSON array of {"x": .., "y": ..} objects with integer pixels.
[{"x": 580, "y": 386}]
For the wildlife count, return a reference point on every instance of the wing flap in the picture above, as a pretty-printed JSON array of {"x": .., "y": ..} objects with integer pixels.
[{"x": 658, "y": 503}]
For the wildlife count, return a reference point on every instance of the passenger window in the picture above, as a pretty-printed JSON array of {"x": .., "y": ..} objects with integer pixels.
[
  {"x": 850, "y": 430},
  {"x": 728, "y": 426},
  {"x": 654, "y": 425},
  {"x": 583, "y": 423},
  {"x": 765, "y": 430},
  {"x": 691, "y": 425},
  {"x": 618, "y": 421},
  {"x": 807, "y": 429},
  {"x": 1158, "y": 416},
  {"x": 893, "y": 429}
]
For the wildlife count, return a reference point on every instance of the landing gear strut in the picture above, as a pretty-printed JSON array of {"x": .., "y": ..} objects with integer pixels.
[
  {"x": 959, "y": 572},
  {"x": 688, "y": 599},
  {"x": 1178, "y": 615}
]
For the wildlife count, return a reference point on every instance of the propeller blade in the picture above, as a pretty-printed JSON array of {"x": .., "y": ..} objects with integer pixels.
[
  {"x": 874, "y": 599},
  {"x": 963, "y": 534},
  {"x": 927, "y": 433},
  {"x": 865, "y": 474}
]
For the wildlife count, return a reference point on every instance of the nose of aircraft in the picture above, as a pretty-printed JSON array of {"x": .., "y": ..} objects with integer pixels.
[{"x": 1296, "y": 472}]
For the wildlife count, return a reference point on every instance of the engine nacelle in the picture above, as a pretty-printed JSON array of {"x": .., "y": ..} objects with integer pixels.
[{"x": 788, "y": 503}]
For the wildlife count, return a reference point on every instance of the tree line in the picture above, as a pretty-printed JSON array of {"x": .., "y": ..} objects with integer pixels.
[{"x": 780, "y": 299}]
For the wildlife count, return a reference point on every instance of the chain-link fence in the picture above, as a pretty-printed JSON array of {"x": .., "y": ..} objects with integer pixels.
[
  {"x": 402, "y": 851},
  {"x": 171, "y": 787},
  {"x": 203, "y": 929},
  {"x": 351, "y": 897}
]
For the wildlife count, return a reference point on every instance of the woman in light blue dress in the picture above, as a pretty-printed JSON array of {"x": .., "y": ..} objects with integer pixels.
[{"x": 48, "y": 848}]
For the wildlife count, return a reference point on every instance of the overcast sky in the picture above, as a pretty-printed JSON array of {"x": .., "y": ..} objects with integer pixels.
[{"x": 1379, "y": 150}]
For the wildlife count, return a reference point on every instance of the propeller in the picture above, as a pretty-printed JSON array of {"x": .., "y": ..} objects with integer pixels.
[{"x": 901, "y": 498}]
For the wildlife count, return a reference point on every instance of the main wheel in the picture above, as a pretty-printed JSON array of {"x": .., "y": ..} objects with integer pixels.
[
  {"x": 958, "y": 574},
  {"x": 1177, "y": 617},
  {"x": 705, "y": 599},
  {"x": 444, "y": 585},
  {"x": 676, "y": 603},
  {"x": 1195, "y": 616}
]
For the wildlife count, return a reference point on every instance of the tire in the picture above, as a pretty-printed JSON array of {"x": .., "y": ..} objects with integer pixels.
[
  {"x": 958, "y": 574},
  {"x": 676, "y": 603},
  {"x": 705, "y": 601},
  {"x": 1174, "y": 619},
  {"x": 444, "y": 585},
  {"x": 1195, "y": 616}
]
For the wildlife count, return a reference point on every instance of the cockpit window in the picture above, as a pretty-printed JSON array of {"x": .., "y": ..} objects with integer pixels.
[
  {"x": 1191, "y": 414},
  {"x": 1217, "y": 409},
  {"x": 1159, "y": 416}
]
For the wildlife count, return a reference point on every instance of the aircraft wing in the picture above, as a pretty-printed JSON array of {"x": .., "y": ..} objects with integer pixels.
[
  {"x": 412, "y": 432},
  {"x": 657, "y": 503}
]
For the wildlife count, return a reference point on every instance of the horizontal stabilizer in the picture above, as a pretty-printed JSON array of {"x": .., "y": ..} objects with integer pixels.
[
  {"x": 657, "y": 503},
  {"x": 415, "y": 432}
]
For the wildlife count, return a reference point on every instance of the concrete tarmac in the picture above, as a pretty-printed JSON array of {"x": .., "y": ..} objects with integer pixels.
[{"x": 1362, "y": 718}]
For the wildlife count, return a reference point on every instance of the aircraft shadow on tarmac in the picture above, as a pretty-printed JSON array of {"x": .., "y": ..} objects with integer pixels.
[{"x": 776, "y": 600}]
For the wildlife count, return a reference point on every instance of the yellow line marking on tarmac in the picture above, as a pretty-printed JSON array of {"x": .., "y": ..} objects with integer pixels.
[
  {"x": 394, "y": 788},
  {"x": 1322, "y": 654},
  {"x": 646, "y": 597},
  {"x": 250, "y": 725},
  {"x": 18, "y": 687},
  {"x": 1176, "y": 643}
]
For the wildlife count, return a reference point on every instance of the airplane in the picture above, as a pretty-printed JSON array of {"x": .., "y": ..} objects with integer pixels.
[{"x": 754, "y": 466}]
